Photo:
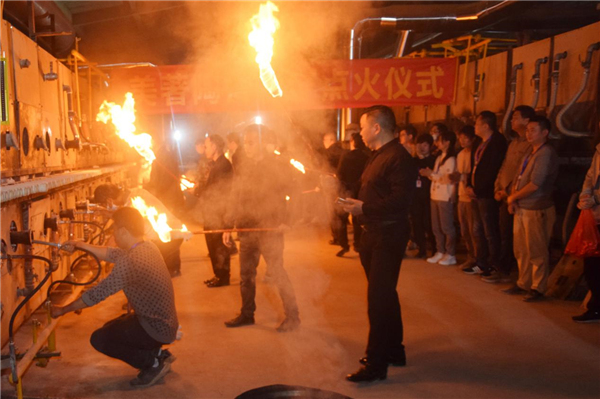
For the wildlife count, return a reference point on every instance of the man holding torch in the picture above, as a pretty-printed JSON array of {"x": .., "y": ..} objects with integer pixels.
[
  {"x": 259, "y": 203},
  {"x": 384, "y": 197}
]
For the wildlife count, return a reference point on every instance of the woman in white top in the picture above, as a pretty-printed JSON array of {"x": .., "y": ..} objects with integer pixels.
[{"x": 443, "y": 197}]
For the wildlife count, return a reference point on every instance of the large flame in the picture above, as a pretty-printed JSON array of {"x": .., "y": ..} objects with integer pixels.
[
  {"x": 123, "y": 118},
  {"x": 158, "y": 221},
  {"x": 298, "y": 165},
  {"x": 264, "y": 25},
  {"x": 185, "y": 184}
]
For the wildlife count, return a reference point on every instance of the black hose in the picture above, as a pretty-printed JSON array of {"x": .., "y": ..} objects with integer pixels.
[{"x": 73, "y": 282}]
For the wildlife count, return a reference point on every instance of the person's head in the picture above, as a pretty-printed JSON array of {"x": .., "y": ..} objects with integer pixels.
[
  {"x": 253, "y": 145},
  {"x": 129, "y": 227},
  {"x": 520, "y": 118},
  {"x": 200, "y": 146},
  {"x": 466, "y": 136},
  {"x": 215, "y": 146},
  {"x": 356, "y": 142},
  {"x": 538, "y": 130},
  {"x": 377, "y": 126},
  {"x": 108, "y": 195},
  {"x": 436, "y": 130},
  {"x": 424, "y": 143},
  {"x": 329, "y": 139},
  {"x": 407, "y": 134},
  {"x": 446, "y": 143},
  {"x": 233, "y": 141},
  {"x": 485, "y": 124}
]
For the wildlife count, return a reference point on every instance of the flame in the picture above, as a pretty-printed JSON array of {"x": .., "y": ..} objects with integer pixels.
[
  {"x": 123, "y": 118},
  {"x": 264, "y": 25},
  {"x": 158, "y": 221},
  {"x": 287, "y": 197},
  {"x": 276, "y": 152},
  {"x": 185, "y": 184},
  {"x": 298, "y": 165}
]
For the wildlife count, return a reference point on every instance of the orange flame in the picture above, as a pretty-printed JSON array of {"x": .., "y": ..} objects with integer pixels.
[
  {"x": 298, "y": 165},
  {"x": 185, "y": 184},
  {"x": 123, "y": 118},
  {"x": 264, "y": 25},
  {"x": 158, "y": 221}
]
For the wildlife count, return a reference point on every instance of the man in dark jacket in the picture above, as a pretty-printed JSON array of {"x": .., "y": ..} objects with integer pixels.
[
  {"x": 420, "y": 211},
  {"x": 386, "y": 191},
  {"x": 486, "y": 161},
  {"x": 215, "y": 195}
]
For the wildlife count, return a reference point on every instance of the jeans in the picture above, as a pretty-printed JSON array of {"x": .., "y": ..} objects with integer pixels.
[
  {"x": 125, "y": 339},
  {"x": 381, "y": 253},
  {"x": 442, "y": 222},
  {"x": 486, "y": 232},
  {"x": 465, "y": 217},
  {"x": 270, "y": 246},
  {"x": 220, "y": 257}
]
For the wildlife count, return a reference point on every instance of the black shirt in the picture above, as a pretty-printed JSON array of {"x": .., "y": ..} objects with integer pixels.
[
  {"x": 216, "y": 193},
  {"x": 387, "y": 185},
  {"x": 334, "y": 154},
  {"x": 423, "y": 184},
  {"x": 350, "y": 170},
  {"x": 484, "y": 172}
]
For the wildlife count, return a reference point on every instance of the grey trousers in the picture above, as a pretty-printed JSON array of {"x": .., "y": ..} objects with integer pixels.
[
  {"x": 442, "y": 223},
  {"x": 465, "y": 217}
]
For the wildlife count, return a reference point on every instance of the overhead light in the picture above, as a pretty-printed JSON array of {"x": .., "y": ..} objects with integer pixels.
[
  {"x": 258, "y": 120},
  {"x": 177, "y": 135}
]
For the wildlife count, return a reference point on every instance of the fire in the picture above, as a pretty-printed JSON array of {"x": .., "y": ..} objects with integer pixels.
[
  {"x": 158, "y": 221},
  {"x": 264, "y": 25},
  {"x": 123, "y": 118},
  {"x": 185, "y": 184},
  {"x": 276, "y": 152},
  {"x": 298, "y": 165},
  {"x": 287, "y": 197}
]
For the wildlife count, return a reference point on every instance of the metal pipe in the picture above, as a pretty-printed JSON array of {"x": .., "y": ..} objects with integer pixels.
[
  {"x": 586, "y": 75},
  {"x": 555, "y": 76},
  {"x": 75, "y": 143},
  {"x": 234, "y": 230},
  {"x": 536, "y": 80},
  {"x": 511, "y": 103}
]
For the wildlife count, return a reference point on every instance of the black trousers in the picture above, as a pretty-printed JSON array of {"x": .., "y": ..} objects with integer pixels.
[
  {"x": 591, "y": 271},
  {"x": 507, "y": 260},
  {"x": 170, "y": 252},
  {"x": 358, "y": 231},
  {"x": 270, "y": 246},
  {"x": 486, "y": 232},
  {"x": 381, "y": 255},
  {"x": 339, "y": 226},
  {"x": 125, "y": 339},
  {"x": 420, "y": 218},
  {"x": 220, "y": 256}
]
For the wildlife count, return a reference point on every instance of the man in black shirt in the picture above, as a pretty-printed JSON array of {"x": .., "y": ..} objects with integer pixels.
[
  {"x": 215, "y": 195},
  {"x": 386, "y": 190},
  {"x": 486, "y": 162},
  {"x": 259, "y": 192},
  {"x": 420, "y": 211}
]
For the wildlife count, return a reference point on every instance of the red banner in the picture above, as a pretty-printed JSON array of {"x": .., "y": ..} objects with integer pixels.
[{"x": 329, "y": 84}]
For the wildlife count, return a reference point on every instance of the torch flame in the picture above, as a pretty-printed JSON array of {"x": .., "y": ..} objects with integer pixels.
[
  {"x": 276, "y": 152},
  {"x": 185, "y": 184},
  {"x": 158, "y": 221},
  {"x": 264, "y": 25},
  {"x": 298, "y": 165},
  {"x": 123, "y": 119}
]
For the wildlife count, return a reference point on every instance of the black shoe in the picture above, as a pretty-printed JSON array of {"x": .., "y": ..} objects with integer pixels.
[
  {"x": 217, "y": 282},
  {"x": 166, "y": 356},
  {"x": 240, "y": 321},
  {"x": 587, "y": 317},
  {"x": 533, "y": 296},
  {"x": 514, "y": 290},
  {"x": 342, "y": 252},
  {"x": 211, "y": 280},
  {"x": 368, "y": 374},
  {"x": 289, "y": 324},
  {"x": 396, "y": 361},
  {"x": 152, "y": 375}
]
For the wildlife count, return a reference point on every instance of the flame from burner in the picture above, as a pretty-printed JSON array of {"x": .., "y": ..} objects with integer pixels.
[
  {"x": 264, "y": 25},
  {"x": 123, "y": 118},
  {"x": 158, "y": 221},
  {"x": 298, "y": 165},
  {"x": 185, "y": 184}
]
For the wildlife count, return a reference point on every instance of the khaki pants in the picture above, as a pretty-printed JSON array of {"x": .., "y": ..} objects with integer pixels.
[{"x": 532, "y": 231}]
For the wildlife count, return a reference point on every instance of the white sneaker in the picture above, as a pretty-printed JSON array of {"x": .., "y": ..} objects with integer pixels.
[
  {"x": 435, "y": 258},
  {"x": 448, "y": 260}
]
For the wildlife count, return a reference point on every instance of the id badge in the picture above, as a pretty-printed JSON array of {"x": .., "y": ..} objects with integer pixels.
[{"x": 418, "y": 183}]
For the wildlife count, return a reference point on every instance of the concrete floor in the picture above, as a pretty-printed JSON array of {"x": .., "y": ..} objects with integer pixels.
[{"x": 464, "y": 338}]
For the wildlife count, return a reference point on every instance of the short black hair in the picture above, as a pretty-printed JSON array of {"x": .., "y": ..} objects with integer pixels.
[
  {"x": 441, "y": 127},
  {"x": 544, "y": 122},
  {"x": 357, "y": 139},
  {"x": 467, "y": 130},
  {"x": 218, "y": 141},
  {"x": 489, "y": 118},
  {"x": 425, "y": 138},
  {"x": 130, "y": 219},
  {"x": 384, "y": 116},
  {"x": 410, "y": 130},
  {"x": 525, "y": 110},
  {"x": 105, "y": 191}
]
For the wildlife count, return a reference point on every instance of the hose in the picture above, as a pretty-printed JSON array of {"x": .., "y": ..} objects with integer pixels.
[
  {"x": 74, "y": 282},
  {"x": 513, "y": 93}
]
